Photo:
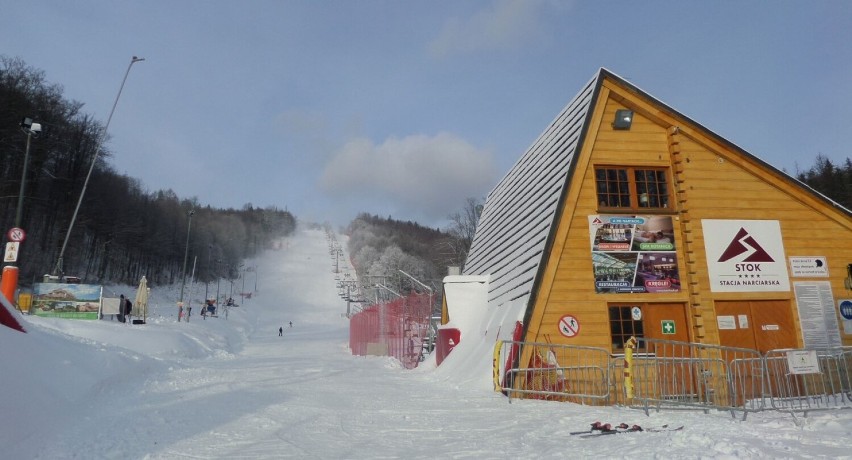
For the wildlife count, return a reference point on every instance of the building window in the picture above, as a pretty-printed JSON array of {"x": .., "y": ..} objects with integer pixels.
[
  {"x": 629, "y": 188},
  {"x": 622, "y": 326}
]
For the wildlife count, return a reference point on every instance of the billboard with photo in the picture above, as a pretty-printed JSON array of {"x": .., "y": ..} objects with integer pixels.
[
  {"x": 634, "y": 254},
  {"x": 61, "y": 300}
]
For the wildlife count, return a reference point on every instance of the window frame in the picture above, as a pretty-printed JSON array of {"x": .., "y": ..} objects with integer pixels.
[
  {"x": 632, "y": 188},
  {"x": 625, "y": 316}
]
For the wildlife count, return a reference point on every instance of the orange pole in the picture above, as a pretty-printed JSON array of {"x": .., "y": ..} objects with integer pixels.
[{"x": 9, "y": 283}]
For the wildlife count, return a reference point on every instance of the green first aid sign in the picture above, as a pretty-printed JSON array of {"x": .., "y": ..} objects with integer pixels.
[{"x": 668, "y": 326}]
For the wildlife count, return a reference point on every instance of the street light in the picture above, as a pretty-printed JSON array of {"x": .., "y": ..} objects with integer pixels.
[
  {"x": 185, "y": 257},
  {"x": 431, "y": 292},
  {"x": 58, "y": 270},
  {"x": 382, "y": 306},
  {"x": 431, "y": 337},
  {"x": 9, "y": 279},
  {"x": 31, "y": 129}
]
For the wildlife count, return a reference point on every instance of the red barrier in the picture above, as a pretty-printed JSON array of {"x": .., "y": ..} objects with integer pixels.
[
  {"x": 398, "y": 328},
  {"x": 9, "y": 282},
  {"x": 447, "y": 340},
  {"x": 9, "y": 317}
]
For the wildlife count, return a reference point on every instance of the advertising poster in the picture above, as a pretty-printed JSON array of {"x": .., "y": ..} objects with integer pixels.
[
  {"x": 60, "y": 300},
  {"x": 745, "y": 255},
  {"x": 634, "y": 254}
]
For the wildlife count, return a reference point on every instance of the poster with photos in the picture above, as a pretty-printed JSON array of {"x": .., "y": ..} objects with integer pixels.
[{"x": 633, "y": 254}]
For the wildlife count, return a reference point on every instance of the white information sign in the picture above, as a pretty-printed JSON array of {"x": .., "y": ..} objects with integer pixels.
[
  {"x": 809, "y": 267},
  {"x": 816, "y": 314},
  {"x": 745, "y": 255},
  {"x": 803, "y": 362},
  {"x": 726, "y": 322},
  {"x": 11, "y": 254},
  {"x": 743, "y": 321},
  {"x": 109, "y": 305}
]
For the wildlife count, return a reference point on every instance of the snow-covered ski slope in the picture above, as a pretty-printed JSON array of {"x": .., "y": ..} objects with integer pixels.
[{"x": 233, "y": 388}]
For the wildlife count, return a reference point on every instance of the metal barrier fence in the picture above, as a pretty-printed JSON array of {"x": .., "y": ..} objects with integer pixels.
[
  {"x": 677, "y": 375},
  {"x": 809, "y": 379},
  {"x": 398, "y": 328},
  {"x": 556, "y": 372},
  {"x": 697, "y": 376}
]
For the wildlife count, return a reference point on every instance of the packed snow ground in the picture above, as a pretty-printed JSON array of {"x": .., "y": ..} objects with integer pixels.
[{"x": 233, "y": 388}]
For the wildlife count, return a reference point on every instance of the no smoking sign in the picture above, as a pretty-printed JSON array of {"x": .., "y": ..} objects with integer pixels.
[{"x": 569, "y": 326}]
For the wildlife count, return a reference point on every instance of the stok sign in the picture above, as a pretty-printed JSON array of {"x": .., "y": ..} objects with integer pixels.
[
  {"x": 743, "y": 243},
  {"x": 742, "y": 255}
]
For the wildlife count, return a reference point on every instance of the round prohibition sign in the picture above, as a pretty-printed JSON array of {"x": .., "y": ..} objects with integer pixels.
[
  {"x": 569, "y": 326},
  {"x": 16, "y": 234}
]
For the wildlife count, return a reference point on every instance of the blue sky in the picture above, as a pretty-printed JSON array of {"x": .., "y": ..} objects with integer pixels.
[{"x": 405, "y": 109}]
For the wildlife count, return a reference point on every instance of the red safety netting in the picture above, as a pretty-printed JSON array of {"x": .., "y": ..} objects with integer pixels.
[{"x": 397, "y": 328}]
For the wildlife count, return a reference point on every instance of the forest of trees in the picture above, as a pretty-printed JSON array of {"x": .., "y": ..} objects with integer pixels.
[
  {"x": 833, "y": 181},
  {"x": 380, "y": 247},
  {"x": 122, "y": 232}
]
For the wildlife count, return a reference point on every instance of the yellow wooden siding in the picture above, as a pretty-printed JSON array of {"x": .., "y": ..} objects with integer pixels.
[{"x": 718, "y": 183}]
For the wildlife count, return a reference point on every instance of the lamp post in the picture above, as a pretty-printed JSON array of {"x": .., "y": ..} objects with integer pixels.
[
  {"x": 218, "y": 278},
  {"x": 382, "y": 306},
  {"x": 243, "y": 276},
  {"x": 58, "y": 270},
  {"x": 185, "y": 257},
  {"x": 9, "y": 279},
  {"x": 207, "y": 279},
  {"x": 431, "y": 292},
  {"x": 31, "y": 129},
  {"x": 431, "y": 338}
]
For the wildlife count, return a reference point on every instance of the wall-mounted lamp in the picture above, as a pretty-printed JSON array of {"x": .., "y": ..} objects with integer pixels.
[{"x": 623, "y": 119}]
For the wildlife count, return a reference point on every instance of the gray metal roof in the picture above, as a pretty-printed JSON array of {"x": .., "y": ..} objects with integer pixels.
[{"x": 516, "y": 221}]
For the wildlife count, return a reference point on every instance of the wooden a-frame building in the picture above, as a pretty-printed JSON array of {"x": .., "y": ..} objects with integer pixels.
[{"x": 627, "y": 218}]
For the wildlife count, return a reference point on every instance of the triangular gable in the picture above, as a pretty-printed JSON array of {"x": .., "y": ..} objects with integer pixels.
[{"x": 518, "y": 222}]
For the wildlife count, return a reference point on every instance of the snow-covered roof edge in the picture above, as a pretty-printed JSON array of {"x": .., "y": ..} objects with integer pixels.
[{"x": 466, "y": 279}]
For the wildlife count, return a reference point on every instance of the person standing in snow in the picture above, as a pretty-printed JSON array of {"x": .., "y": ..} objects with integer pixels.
[
  {"x": 291, "y": 324},
  {"x": 280, "y": 331},
  {"x": 122, "y": 305}
]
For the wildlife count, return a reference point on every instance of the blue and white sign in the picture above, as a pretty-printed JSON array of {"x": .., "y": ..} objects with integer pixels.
[{"x": 845, "y": 307}]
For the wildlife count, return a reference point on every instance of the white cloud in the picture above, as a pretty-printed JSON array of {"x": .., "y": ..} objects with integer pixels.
[
  {"x": 503, "y": 24},
  {"x": 414, "y": 177}
]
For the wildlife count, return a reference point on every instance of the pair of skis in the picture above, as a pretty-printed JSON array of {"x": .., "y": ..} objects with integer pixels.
[{"x": 603, "y": 429}]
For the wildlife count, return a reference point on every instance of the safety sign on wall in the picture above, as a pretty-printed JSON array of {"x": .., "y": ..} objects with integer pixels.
[
  {"x": 845, "y": 307},
  {"x": 668, "y": 326},
  {"x": 569, "y": 326},
  {"x": 11, "y": 254}
]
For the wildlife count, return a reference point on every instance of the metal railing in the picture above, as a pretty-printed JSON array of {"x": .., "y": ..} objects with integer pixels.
[
  {"x": 556, "y": 372},
  {"x": 678, "y": 375},
  {"x": 804, "y": 380}
]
